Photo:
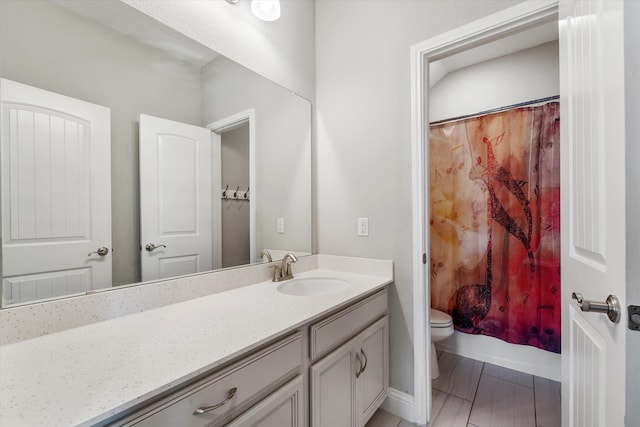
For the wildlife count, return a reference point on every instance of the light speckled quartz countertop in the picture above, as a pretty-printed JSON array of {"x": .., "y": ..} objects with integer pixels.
[{"x": 84, "y": 375}]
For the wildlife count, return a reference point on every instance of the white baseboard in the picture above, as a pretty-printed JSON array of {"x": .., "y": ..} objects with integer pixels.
[
  {"x": 400, "y": 404},
  {"x": 522, "y": 358}
]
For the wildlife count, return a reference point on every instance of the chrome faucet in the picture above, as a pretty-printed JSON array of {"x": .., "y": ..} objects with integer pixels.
[
  {"x": 283, "y": 271},
  {"x": 265, "y": 253}
]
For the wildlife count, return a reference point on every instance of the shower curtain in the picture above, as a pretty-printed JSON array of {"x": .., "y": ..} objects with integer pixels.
[{"x": 495, "y": 224}]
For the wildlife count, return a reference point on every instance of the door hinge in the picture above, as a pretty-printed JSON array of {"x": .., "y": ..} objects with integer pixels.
[
  {"x": 634, "y": 317},
  {"x": 424, "y": 258}
]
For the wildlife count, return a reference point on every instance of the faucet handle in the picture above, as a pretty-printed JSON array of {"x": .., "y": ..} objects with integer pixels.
[{"x": 277, "y": 275}]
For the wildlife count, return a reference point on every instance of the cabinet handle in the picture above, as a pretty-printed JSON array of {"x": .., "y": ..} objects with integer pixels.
[
  {"x": 359, "y": 370},
  {"x": 365, "y": 360},
  {"x": 204, "y": 409}
]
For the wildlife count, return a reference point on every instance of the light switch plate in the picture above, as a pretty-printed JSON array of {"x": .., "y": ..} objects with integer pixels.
[
  {"x": 363, "y": 226},
  {"x": 280, "y": 225}
]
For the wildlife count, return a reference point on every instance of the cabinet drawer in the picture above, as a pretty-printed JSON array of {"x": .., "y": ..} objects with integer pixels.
[
  {"x": 283, "y": 408},
  {"x": 252, "y": 377},
  {"x": 338, "y": 328}
]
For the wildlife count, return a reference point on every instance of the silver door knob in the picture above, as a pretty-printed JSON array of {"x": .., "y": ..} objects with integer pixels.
[
  {"x": 151, "y": 247},
  {"x": 611, "y": 307},
  {"x": 102, "y": 251}
]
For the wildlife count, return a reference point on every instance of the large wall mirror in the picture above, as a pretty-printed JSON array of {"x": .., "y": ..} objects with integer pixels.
[{"x": 130, "y": 153}]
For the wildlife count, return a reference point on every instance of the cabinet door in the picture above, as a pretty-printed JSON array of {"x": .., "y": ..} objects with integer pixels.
[
  {"x": 283, "y": 408},
  {"x": 373, "y": 381},
  {"x": 333, "y": 388}
]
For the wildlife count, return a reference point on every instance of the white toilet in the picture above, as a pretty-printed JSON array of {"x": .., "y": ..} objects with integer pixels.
[{"x": 441, "y": 328}]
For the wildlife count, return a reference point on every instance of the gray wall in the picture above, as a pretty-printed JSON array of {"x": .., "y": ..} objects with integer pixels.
[
  {"x": 283, "y": 149},
  {"x": 363, "y": 136},
  {"x": 520, "y": 77},
  {"x": 46, "y": 46}
]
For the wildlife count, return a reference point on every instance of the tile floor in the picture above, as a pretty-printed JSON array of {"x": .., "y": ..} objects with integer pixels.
[{"x": 470, "y": 393}]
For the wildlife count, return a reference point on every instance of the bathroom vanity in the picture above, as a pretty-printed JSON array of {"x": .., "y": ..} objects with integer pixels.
[
  {"x": 236, "y": 357},
  {"x": 154, "y": 354}
]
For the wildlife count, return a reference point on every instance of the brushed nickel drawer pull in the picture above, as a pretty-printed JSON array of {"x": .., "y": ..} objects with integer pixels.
[
  {"x": 204, "y": 409},
  {"x": 365, "y": 359}
]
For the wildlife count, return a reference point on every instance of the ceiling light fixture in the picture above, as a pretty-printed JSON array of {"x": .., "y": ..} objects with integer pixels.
[{"x": 267, "y": 10}]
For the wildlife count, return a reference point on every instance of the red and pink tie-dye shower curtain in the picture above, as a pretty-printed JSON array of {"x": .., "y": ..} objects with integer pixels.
[{"x": 495, "y": 224}]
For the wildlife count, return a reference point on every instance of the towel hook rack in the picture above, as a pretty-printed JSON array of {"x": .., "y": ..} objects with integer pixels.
[{"x": 239, "y": 195}]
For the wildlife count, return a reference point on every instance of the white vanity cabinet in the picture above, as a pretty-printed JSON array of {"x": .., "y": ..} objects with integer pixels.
[
  {"x": 250, "y": 355},
  {"x": 218, "y": 398},
  {"x": 351, "y": 382},
  {"x": 347, "y": 379}
]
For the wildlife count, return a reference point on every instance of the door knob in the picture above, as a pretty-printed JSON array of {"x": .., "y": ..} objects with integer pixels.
[
  {"x": 611, "y": 307},
  {"x": 102, "y": 251},
  {"x": 151, "y": 247}
]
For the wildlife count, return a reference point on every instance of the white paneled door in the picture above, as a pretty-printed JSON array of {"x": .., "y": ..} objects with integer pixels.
[
  {"x": 593, "y": 209},
  {"x": 176, "y": 194},
  {"x": 56, "y": 194}
]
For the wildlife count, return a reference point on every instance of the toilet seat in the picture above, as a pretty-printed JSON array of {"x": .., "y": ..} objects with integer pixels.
[{"x": 439, "y": 319}]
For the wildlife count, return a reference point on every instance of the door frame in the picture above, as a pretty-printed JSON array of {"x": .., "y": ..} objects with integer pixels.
[
  {"x": 498, "y": 25},
  {"x": 221, "y": 126}
]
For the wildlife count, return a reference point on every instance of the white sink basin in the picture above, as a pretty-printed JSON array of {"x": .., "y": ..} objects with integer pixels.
[{"x": 311, "y": 286}]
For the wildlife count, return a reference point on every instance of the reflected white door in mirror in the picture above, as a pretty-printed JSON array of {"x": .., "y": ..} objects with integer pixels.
[
  {"x": 56, "y": 194},
  {"x": 176, "y": 194}
]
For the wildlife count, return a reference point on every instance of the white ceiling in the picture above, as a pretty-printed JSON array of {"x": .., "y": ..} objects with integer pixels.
[{"x": 514, "y": 43}]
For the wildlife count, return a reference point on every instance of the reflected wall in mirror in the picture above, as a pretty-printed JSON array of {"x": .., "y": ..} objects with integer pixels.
[{"x": 106, "y": 54}]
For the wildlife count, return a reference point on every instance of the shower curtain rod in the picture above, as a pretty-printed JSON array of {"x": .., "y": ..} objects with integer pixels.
[{"x": 496, "y": 110}]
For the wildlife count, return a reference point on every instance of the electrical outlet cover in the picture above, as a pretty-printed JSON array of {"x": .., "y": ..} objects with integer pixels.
[{"x": 363, "y": 226}]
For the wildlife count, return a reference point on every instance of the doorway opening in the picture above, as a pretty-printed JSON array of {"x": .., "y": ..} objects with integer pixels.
[
  {"x": 234, "y": 215},
  {"x": 500, "y": 34},
  {"x": 234, "y": 183}
]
